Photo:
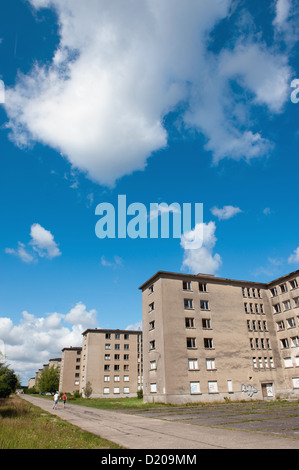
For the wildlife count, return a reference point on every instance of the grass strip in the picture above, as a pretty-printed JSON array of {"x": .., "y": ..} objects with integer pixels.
[{"x": 25, "y": 426}]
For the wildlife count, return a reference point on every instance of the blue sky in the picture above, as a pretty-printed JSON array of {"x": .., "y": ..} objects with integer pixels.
[{"x": 159, "y": 101}]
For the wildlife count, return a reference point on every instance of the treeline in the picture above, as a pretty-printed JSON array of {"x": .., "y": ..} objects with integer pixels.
[{"x": 9, "y": 381}]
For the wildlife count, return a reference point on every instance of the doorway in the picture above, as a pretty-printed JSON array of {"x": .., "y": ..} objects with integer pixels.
[{"x": 267, "y": 390}]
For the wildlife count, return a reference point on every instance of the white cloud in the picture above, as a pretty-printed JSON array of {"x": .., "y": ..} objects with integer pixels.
[
  {"x": 202, "y": 260},
  {"x": 227, "y": 212},
  {"x": 265, "y": 73},
  {"x": 117, "y": 261},
  {"x": 286, "y": 21},
  {"x": 34, "y": 340},
  {"x": 79, "y": 315},
  {"x": 282, "y": 11},
  {"x": 135, "y": 326},
  {"x": 163, "y": 208},
  {"x": 42, "y": 242},
  {"x": 294, "y": 257},
  {"x": 21, "y": 253},
  {"x": 118, "y": 71}
]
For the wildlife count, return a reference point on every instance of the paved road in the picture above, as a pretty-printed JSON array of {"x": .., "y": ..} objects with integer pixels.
[{"x": 141, "y": 432}]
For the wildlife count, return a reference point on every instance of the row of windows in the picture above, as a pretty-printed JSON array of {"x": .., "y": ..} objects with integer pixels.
[
  {"x": 116, "y": 378},
  {"x": 189, "y": 323},
  {"x": 191, "y": 343},
  {"x": 253, "y": 308},
  {"x": 263, "y": 362},
  {"x": 290, "y": 322},
  {"x": 260, "y": 343},
  {"x": 205, "y": 322},
  {"x": 289, "y": 342},
  {"x": 213, "y": 386},
  {"x": 293, "y": 284},
  {"x": 195, "y": 387},
  {"x": 115, "y": 367},
  {"x": 116, "y": 346},
  {"x": 188, "y": 304},
  {"x": 283, "y": 288},
  {"x": 202, "y": 287},
  {"x": 126, "y": 357},
  {"x": 116, "y": 390},
  {"x": 264, "y": 343},
  {"x": 192, "y": 364},
  {"x": 117, "y": 336},
  {"x": 257, "y": 325},
  {"x": 207, "y": 342},
  {"x": 251, "y": 292},
  {"x": 287, "y": 305}
]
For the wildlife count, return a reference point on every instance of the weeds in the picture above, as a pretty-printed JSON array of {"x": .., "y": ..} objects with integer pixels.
[{"x": 25, "y": 426}]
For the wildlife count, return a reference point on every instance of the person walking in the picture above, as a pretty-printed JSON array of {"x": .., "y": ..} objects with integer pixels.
[
  {"x": 56, "y": 397},
  {"x": 64, "y": 399}
]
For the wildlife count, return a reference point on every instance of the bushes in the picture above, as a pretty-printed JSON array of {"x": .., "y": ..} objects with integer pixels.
[{"x": 8, "y": 381}]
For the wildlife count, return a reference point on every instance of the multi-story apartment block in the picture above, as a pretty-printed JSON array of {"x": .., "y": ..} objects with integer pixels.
[
  {"x": 111, "y": 362},
  {"x": 208, "y": 338},
  {"x": 69, "y": 380}
]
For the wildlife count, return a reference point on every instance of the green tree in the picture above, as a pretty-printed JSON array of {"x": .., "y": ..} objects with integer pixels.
[
  {"x": 87, "y": 391},
  {"x": 49, "y": 380},
  {"x": 9, "y": 381}
]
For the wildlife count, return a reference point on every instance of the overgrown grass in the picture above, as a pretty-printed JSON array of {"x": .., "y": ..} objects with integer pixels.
[
  {"x": 25, "y": 426},
  {"x": 135, "y": 403},
  {"x": 132, "y": 403},
  {"x": 117, "y": 403}
]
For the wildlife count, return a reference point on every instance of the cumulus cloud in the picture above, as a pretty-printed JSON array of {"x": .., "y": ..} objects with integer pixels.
[
  {"x": 260, "y": 71},
  {"x": 227, "y": 212},
  {"x": 79, "y": 315},
  {"x": 42, "y": 243},
  {"x": 202, "y": 259},
  {"x": 117, "y": 72},
  {"x": 294, "y": 257},
  {"x": 34, "y": 340}
]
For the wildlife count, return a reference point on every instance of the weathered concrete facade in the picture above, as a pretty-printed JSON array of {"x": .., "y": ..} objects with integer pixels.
[
  {"x": 112, "y": 362},
  {"x": 210, "y": 339},
  {"x": 69, "y": 380}
]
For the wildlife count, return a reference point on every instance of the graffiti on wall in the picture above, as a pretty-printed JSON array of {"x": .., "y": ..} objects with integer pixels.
[{"x": 250, "y": 390}]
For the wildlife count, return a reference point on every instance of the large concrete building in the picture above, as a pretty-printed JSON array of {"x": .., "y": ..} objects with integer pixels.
[
  {"x": 208, "y": 338},
  {"x": 69, "y": 381},
  {"x": 111, "y": 362}
]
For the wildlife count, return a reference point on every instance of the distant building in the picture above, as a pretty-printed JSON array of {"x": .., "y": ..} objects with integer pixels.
[
  {"x": 111, "y": 362},
  {"x": 55, "y": 362},
  {"x": 208, "y": 338},
  {"x": 69, "y": 381},
  {"x": 31, "y": 382}
]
